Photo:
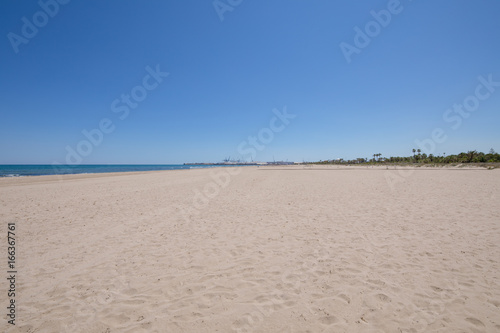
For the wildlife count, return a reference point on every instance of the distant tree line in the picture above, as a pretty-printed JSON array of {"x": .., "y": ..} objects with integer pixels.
[{"x": 471, "y": 156}]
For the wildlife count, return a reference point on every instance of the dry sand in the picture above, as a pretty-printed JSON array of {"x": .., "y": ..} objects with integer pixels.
[{"x": 276, "y": 250}]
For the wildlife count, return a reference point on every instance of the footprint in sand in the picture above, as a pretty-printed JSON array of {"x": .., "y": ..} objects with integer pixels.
[
  {"x": 475, "y": 322},
  {"x": 383, "y": 298},
  {"x": 437, "y": 289},
  {"x": 345, "y": 298},
  {"x": 328, "y": 320},
  {"x": 494, "y": 302}
]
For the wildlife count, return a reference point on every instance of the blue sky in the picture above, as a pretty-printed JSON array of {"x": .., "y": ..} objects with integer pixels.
[{"x": 225, "y": 78}]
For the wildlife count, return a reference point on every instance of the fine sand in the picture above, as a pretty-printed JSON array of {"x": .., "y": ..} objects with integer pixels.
[{"x": 269, "y": 249}]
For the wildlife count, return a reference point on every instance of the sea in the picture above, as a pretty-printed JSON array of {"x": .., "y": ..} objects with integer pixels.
[{"x": 11, "y": 170}]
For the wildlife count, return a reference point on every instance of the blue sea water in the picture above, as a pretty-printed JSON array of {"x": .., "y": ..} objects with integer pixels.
[{"x": 39, "y": 170}]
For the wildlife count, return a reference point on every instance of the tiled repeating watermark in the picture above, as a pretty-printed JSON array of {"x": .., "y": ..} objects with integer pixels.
[
  {"x": 454, "y": 116},
  {"x": 460, "y": 111},
  {"x": 223, "y": 6},
  {"x": 30, "y": 27},
  {"x": 364, "y": 36},
  {"x": 121, "y": 106},
  {"x": 248, "y": 150},
  {"x": 263, "y": 310},
  {"x": 292, "y": 280}
]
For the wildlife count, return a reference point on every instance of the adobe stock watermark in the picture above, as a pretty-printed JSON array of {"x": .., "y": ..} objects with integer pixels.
[
  {"x": 275, "y": 302},
  {"x": 454, "y": 116},
  {"x": 293, "y": 279},
  {"x": 29, "y": 29},
  {"x": 373, "y": 28},
  {"x": 223, "y": 6},
  {"x": 248, "y": 148},
  {"x": 120, "y": 106},
  {"x": 221, "y": 177}
]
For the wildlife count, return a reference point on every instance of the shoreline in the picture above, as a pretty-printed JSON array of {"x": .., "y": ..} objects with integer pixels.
[
  {"x": 271, "y": 167},
  {"x": 39, "y": 179},
  {"x": 77, "y": 176}
]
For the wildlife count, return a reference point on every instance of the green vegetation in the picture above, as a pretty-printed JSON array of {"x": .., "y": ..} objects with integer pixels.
[{"x": 491, "y": 159}]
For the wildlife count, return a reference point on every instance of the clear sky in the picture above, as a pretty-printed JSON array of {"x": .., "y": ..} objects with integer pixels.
[{"x": 357, "y": 86}]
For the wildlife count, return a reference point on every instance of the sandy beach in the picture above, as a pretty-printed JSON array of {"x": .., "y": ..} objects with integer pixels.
[{"x": 269, "y": 249}]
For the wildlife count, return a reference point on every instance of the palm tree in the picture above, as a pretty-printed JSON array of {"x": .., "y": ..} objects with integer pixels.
[{"x": 470, "y": 155}]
